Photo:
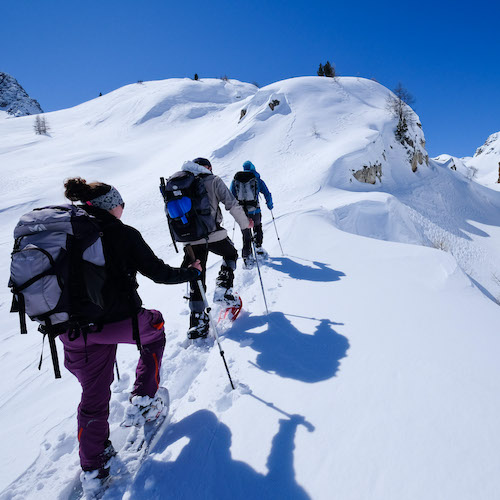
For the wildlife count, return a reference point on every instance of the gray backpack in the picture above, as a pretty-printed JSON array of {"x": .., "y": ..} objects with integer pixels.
[
  {"x": 57, "y": 271},
  {"x": 246, "y": 187}
]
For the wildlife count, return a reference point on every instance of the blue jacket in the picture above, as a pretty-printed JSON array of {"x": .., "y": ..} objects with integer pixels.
[{"x": 261, "y": 185}]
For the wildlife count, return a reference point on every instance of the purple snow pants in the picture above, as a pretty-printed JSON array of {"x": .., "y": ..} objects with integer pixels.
[{"x": 96, "y": 375}]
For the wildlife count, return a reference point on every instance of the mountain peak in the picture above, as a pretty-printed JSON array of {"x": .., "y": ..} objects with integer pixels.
[
  {"x": 491, "y": 145},
  {"x": 14, "y": 99}
]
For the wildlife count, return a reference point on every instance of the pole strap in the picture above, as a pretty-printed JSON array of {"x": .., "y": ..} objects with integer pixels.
[{"x": 55, "y": 359}]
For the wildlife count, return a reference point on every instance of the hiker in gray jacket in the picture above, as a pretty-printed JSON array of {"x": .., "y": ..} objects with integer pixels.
[{"x": 218, "y": 243}]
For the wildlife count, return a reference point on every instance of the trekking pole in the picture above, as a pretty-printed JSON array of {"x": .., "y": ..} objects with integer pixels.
[
  {"x": 275, "y": 228},
  {"x": 234, "y": 227},
  {"x": 117, "y": 371},
  {"x": 189, "y": 252},
  {"x": 260, "y": 276}
]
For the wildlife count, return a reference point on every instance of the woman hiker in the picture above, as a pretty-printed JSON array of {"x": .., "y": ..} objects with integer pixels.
[{"x": 91, "y": 358}]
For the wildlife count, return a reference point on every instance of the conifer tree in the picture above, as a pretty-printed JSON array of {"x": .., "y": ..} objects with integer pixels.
[
  {"x": 329, "y": 69},
  {"x": 321, "y": 71}
]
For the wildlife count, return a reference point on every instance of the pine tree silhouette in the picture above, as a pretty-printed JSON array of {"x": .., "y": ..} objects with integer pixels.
[{"x": 329, "y": 69}]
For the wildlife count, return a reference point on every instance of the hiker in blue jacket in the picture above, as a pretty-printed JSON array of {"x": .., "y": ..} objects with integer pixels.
[{"x": 246, "y": 187}]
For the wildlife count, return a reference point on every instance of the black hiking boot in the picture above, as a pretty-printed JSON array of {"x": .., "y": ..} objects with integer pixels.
[
  {"x": 225, "y": 278},
  {"x": 109, "y": 451},
  {"x": 224, "y": 287},
  {"x": 199, "y": 325}
]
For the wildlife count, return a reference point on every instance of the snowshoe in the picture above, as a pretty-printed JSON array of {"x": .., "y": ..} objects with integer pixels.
[
  {"x": 199, "y": 325},
  {"x": 226, "y": 297},
  {"x": 248, "y": 262},
  {"x": 95, "y": 482},
  {"x": 143, "y": 409},
  {"x": 261, "y": 253},
  {"x": 230, "y": 313}
]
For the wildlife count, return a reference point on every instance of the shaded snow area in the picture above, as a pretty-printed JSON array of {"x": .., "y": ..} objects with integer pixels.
[
  {"x": 14, "y": 100},
  {"x": 374, "y": 376}
]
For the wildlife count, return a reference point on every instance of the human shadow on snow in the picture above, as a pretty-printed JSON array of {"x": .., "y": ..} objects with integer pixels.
[
  {"x": 205, "y": 469},
  {"x": 320, "y": 271},
  {"x": 290, "y": 353}
]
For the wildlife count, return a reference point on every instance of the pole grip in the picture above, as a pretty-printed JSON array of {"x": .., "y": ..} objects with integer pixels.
[{"x": 188, "y": 250}]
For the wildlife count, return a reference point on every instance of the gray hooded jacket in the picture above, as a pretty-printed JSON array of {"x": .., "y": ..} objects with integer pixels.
[{"x": 218, "y": 192}]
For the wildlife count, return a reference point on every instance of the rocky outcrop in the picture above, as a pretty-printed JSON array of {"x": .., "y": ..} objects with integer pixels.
[
  {"x": 415, "y": 149},
  {"x": 273, "y": 104},
  {"x": 14, "y": 99},
  {"x": 369, "y": 174},
  {"x": 489, "y": 146},
  {"x": 418, "y": 158}
]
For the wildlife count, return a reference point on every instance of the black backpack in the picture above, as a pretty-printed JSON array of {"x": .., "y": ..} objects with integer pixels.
[
  {"x": 57, "y": 272},
  {"x": 187, "y": 207},
  {"x": 246, "y": 186}
]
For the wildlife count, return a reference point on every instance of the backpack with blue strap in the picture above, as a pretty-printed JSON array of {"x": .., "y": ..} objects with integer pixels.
[{"x": 187, "y": 207}]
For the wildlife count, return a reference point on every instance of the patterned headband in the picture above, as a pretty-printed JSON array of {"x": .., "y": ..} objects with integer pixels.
[{"x": 107, "y": 201}]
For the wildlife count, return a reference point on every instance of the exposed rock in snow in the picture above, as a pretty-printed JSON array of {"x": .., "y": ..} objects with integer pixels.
[
  {"x": 369, "y": 174},
  {"x": 491, "y": 146},
  {"x": 14, "y": 99}
]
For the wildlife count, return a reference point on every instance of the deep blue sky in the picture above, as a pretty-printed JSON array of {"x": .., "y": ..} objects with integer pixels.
[{"x": 446, "y": 53}]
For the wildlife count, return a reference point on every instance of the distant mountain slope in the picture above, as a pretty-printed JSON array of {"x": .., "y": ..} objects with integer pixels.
[
  {"x": 483, "y": 167},
  {"x": 14, "y": 100},
  {"x": 486, "y": 160}
]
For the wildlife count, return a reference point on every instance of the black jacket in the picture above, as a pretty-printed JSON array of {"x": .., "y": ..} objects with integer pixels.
[{"x": 126, "y": 253}]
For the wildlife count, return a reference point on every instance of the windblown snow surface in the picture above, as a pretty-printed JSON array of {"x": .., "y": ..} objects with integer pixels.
[{"x": 375, "y": 374}]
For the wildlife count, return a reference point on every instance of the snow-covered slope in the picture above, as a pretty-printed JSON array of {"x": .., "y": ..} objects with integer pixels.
[
  {"x": 457, "y": 164},
  {"x": 486, "y": 160},
  {"x": 483, "y": 167},
  {"x": 14, "y": 100},
  {"x": 375, "y": 374}
]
